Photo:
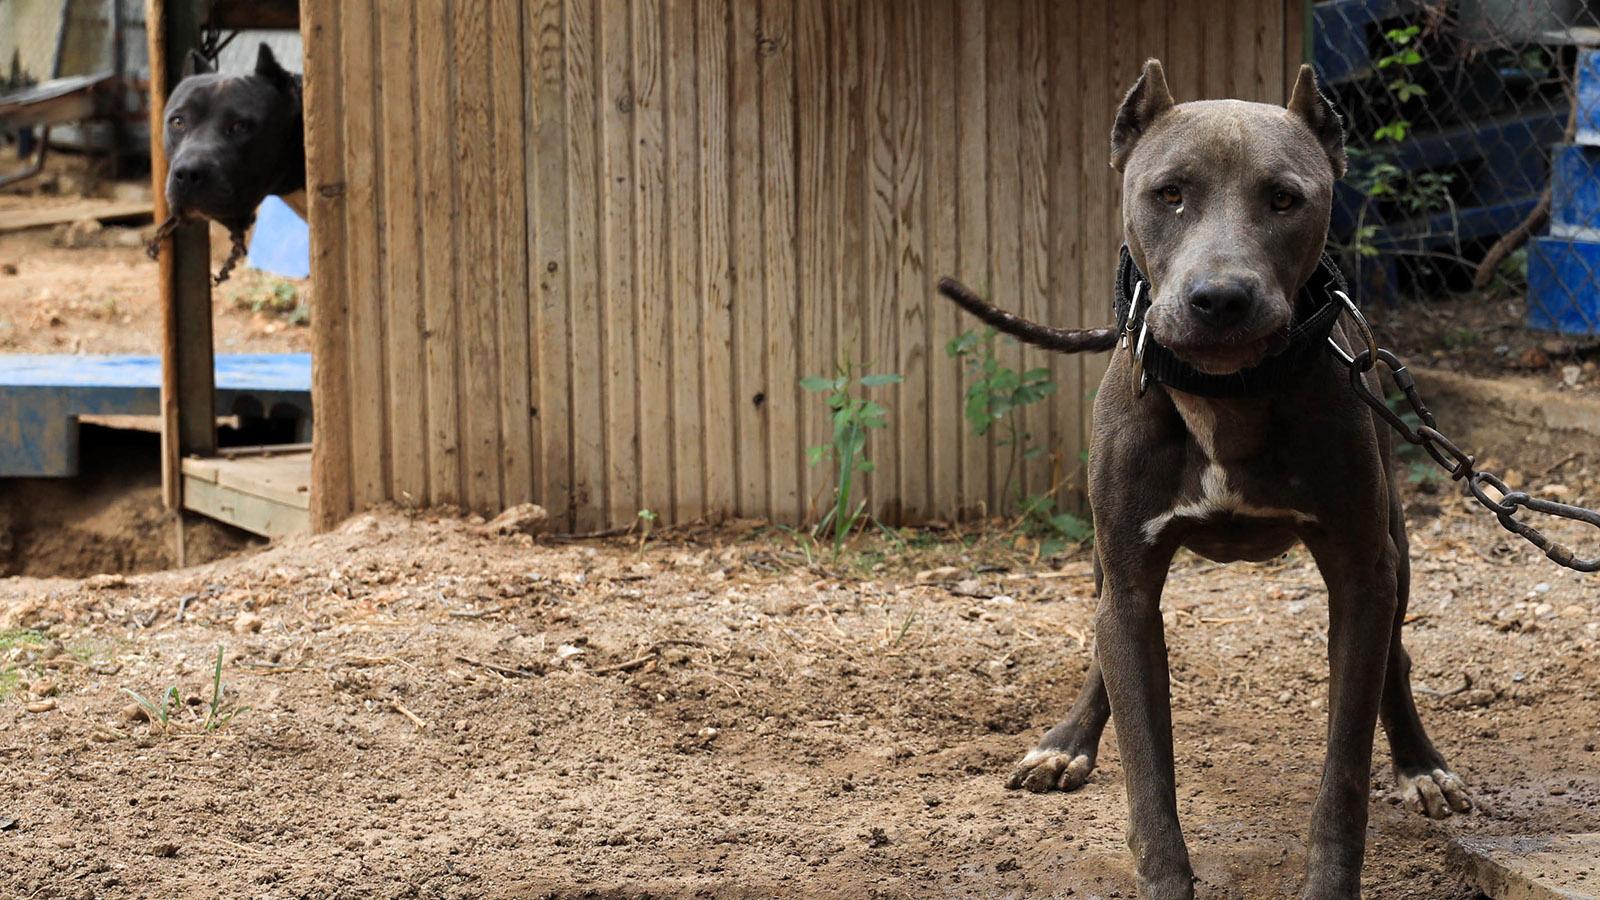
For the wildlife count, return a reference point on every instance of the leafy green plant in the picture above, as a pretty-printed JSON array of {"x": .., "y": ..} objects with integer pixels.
[
  {"x": 1056, "y": 529},
  {"x": 853, "y": 416},
  {"x": 647, "y": 519},
  {"x": 1379, "y": 179},
  {"x": 276, "y": 297},
  {"x": 995, "y": 393}
]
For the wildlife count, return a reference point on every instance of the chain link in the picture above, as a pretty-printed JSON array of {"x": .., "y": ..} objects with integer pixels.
[{"x": 1461, "y": 465}]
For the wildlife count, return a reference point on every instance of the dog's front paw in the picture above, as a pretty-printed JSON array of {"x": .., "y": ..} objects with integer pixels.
[
  {"x": 1436, "y": 793},
  {"x": 1051, "y": 770}
]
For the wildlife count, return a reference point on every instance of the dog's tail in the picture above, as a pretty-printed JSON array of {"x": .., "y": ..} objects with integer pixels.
[{"x": 1062, "y": 340}]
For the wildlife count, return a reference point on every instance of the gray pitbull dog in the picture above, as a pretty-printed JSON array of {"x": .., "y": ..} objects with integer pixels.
[
  {"x": 233, "y": 139},
  {"x": 1226, "y": 209}
]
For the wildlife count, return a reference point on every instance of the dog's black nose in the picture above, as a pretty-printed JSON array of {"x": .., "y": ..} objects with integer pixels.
[
  {"x": 189, "y": 175},
  {"x": 1221, "y": 304}
]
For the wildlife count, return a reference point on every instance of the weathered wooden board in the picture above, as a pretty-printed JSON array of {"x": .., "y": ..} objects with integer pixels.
[
  {"x": 581, "y": 252},
  {"x": 99, "y": 210},
  {"x": 1532, "y": 867}
]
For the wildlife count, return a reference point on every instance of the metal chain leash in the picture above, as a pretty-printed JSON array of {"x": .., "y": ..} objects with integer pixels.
[{"x": 1460, "y": 464}]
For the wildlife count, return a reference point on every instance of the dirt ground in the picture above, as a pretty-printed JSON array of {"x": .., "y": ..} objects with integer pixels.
[
  {"x": 431, "y": 710},
  {"x": 81, "y": 288},
  {"x": 422, "y": 708}
]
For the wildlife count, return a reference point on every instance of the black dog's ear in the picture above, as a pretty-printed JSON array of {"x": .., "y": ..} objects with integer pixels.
[
  {"x": 1146, "y": 100},
  {"x": 1312, "y": 107},
  {"x": 195, "y": 64},
  {"x": 267, "y": 67}
]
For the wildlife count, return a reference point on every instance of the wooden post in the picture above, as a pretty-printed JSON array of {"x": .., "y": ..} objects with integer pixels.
[{"x": 188, "y": 403}]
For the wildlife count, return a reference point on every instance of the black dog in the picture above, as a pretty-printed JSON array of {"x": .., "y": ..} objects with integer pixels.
[{"x": 231, "y": 140}]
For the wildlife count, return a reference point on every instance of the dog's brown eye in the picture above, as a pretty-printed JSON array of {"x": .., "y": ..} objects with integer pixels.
[
  {"x": 176, "y": 123},
  {"x": 1283, "y": 200},
  {"x": 1171, "y": 195},
  {"x": 238, "y": 127}
]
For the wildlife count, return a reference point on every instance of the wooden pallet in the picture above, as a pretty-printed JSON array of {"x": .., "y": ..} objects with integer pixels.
[
  {"x": 1532, "y": 867},
  {"x": 263, "y": 491}
]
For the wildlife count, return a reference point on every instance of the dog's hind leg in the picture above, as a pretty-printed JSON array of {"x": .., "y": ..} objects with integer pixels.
[
  {"x": 1066, "y": 754},
  {"x": 1426, "y": 784}
]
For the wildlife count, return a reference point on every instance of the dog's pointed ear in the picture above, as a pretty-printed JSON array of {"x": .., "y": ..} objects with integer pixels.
[
  {"x": 1311, "y": 106},
  {"x": 267, "y": 67},
  {"x": 1146, "y": 100},
  {"x": 195, "y": 64}
]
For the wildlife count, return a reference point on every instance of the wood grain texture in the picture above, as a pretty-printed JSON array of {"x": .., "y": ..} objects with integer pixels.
[
  {"x": 781, "y": 342},
  {"x": 585, "y": 330},
  {"x": 582, "y": 251},
  {"x": 332, "y": 438},
  {"x": 369, "y": 456},
  {"x": 750, "y": 385},
  {"x": 685, "y": 348},
  {"x": 476, "y": 306},
  {"x": 554, "y": 439},
  {"x": 442, "y": 388},
  {"x": 516, "y": 375},
  {"x": 401, "y": 264},
  {"x": 719, "y": 396}
]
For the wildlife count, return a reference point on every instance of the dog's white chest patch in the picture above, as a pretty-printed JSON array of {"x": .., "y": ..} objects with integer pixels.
[{"x": 1217, "y": 497}]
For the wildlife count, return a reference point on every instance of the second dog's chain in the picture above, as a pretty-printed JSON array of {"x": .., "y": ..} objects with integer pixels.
[{"x": 1460, "y": 464}]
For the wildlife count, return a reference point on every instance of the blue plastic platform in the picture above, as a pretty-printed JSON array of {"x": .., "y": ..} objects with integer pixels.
[
  {"x": 281, "y": 242},
  {"x": 41, "y": 398}
]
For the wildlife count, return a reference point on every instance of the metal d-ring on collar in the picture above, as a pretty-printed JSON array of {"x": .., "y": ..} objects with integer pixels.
[
  {"x": 1136, "y": 316},
  {"x": 1354, "y": 312}
]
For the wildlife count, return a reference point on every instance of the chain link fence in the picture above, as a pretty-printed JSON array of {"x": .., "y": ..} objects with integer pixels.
[{"x": 1474, "y": 137}]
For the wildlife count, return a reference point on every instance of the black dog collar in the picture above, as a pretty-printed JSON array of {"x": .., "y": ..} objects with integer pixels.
[{"x": 1308, "y": 337}]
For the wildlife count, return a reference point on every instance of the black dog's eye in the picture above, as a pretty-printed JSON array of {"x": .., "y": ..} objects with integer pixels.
[
  {"x": 1283, "y": 201},
  {"x": 175, "y": 123},
  {"x": 238, "y": 127},
  {"x": 1170, "y": 194}
]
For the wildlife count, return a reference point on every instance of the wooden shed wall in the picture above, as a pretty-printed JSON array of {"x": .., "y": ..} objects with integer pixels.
[{"x": 581, "y": 251}]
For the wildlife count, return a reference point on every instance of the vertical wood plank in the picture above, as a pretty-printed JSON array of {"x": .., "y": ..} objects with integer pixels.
[
  {"x": 183, "y": 275},
  {"x": 815, "y": 232},
  {"x": 1033, "y": 108},
  {"x": 618, "y": 134},
  {"x": 689, "y": 447},
  {"x": 1067, "y": 302},
  {"x": 589, "y": 442},
  {"x": 750, "y": 384},
  {"x": 848, "y": 204},
  {"x": 1102, "y": 88},
  {"x": 516, "y": 374},
  {"x": 548, "y": 186},
  {"x": 438, "y": 255},
  {"x": 972, "y": 218},
  {"x": 1005, "y": 214},
  {"x": 882, "y": 315},
  {"x": 476, "y": 306},
  {"x": 1295, "y": 52},
  {"x": 407, "y": 414},
  {"x": 716, "y": 268},
  {"x": 1265, "y": 58},
  {"x": 939, "y": 186},
  {"x": 331, "y": 496},
  {"x": 364, "y": 161},
  {"x": 782, "y": 339},
  {"x": 910, "y": 416},
  {"x": 1216, "y": 60},
  {"x": 652, "y": 301},
  {"x": 1185, "y": 62}
]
